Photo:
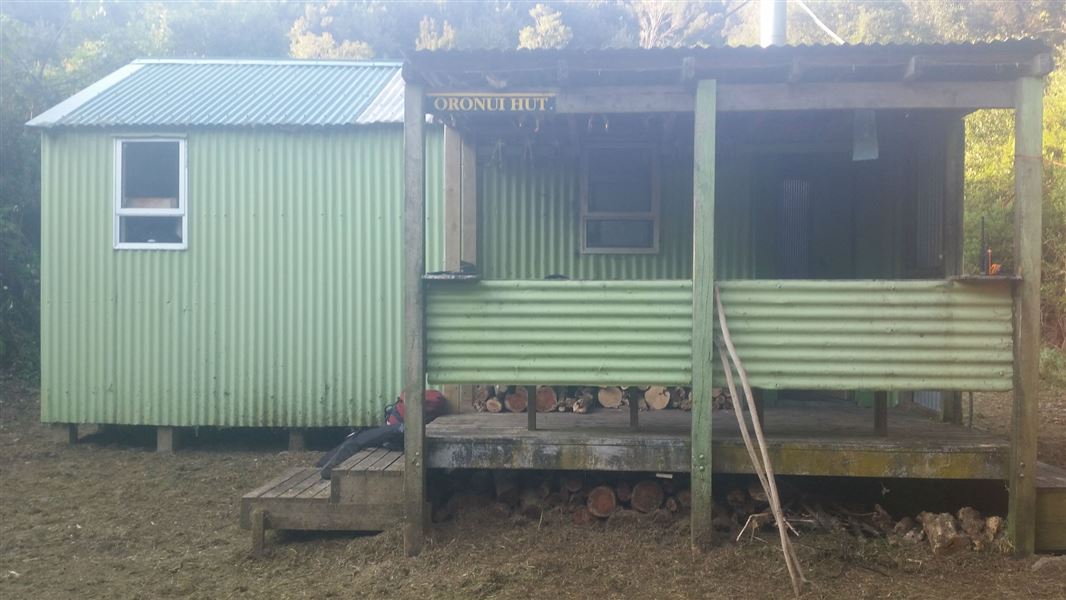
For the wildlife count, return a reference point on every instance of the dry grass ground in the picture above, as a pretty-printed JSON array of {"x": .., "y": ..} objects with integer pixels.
[{"x": 112, "y": 519}]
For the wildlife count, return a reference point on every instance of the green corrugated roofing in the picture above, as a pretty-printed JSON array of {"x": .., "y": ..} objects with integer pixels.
[{"x": 235, "y": 93}]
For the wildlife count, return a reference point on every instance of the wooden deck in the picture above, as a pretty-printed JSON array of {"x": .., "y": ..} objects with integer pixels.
[{"x": 810, "y": 438}]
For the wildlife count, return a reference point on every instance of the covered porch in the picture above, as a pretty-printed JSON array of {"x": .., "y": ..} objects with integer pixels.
[{"x": 838, "y": 255}]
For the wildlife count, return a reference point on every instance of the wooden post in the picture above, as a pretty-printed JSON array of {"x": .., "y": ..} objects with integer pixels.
[
  {"x": 468, "y": 250},
  {"x": 702, "y": 308},
  {"x": 258, "y": 532},
  {"x": 531, "y": 407},
  {"x": 414, "y": 372},
  {"x": 65, "y": 433},
  {"x": 167, "y": 439},
  {"x": 634, "y": 413},
  {"x": 952, "y": 244},
  {"x": 1028, "y": 111},
  {"x": 297, "y": 440},
  {"x": 881, "y": 413}
]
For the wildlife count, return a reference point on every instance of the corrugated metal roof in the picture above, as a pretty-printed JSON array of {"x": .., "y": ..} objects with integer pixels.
[{"x": 236, "y": 93}]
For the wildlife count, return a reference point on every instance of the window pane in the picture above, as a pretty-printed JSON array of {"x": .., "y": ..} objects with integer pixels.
[
  {"x": 150, "y": 174},
  {"x": 150, "y": 230},
  {"x": 609, "y": 233},
  {"x": 620, "y": 179}
]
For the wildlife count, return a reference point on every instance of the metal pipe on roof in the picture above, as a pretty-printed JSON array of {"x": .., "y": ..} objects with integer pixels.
[{"x": 772, "y": 18}]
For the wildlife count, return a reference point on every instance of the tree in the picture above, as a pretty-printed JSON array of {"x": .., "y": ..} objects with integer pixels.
[
  {"x": 673, "y": 24},
  {"x": 431, "y": 39},
  {"x": 547, "y": 31}
]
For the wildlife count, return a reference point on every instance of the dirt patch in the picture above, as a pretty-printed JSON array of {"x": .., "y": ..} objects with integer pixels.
[{"x": 111, "y": 519}]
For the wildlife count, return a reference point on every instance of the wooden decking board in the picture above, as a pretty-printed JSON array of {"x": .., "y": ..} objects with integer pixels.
[
  {"x": 383, "y": 463},
  {"x": 298, "y": 475},
  {"x": 313, "y": 490},
  {"x": 354, "y": 459},
  {"x": 1050, "y": 477},
  {"x": 398, "y": 464},
  {"x": 368, "y": 460},
  {"x": 312, "y": 477},
  {"x": 287, "y": 474}
]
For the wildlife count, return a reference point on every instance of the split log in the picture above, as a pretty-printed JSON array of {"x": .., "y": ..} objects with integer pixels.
[
  {"x": 571, "y": 484},
  {"x": 601, "y": 501},
  {"x": 517, "y": 400},
  {"x": 493, "y": 405},
  {"x": 647, "y": 496},
  {"x": 673, "y": 504},
  {"x": 582, "y": 516},
  {"x": 973, "y": 525},
  {"x": 623, "y": 491},
  {"x": 657, "y": 397},
  {"x": 683, "y": 398},
  {"x": 481, "y": 397},
  {"x": 611, "y": 397},
  {"x": 546, "y": 398},
  {"x": 505, "y": 485},
  {"x": 584, "y": 402},
  {"x": 684, "y": 498},
  {"x": 942, "y": 533},
  {"x": 531, "y": 505}
]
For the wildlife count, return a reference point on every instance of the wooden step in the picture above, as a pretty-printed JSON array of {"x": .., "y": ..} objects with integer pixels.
[
  {"x": 1050, "y": 508},
  {"x": 371, "y": 477}
]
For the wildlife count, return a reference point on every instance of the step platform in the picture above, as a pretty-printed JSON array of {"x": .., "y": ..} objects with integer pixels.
[
  {"x": 1050, "y": 508},
  {"x": 364, "y": 493}
]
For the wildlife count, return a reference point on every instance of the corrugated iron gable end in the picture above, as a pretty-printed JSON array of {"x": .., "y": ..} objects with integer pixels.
[{"x": 211, "y": 93}]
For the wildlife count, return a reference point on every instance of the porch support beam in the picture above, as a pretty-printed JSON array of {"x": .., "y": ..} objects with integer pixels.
[
  {"x": 702, "y": 308},
  {"x": 453, "y": 223},
  {"x": 413, "y": 354},
  {"x": 1028, "y": 113},
  {"x": 956, "y": 95},
  {"x": 954, "y": 192}
]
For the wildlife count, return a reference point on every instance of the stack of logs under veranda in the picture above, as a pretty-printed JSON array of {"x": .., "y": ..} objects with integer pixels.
[
  {"x": 497, "y": 398},
  {"x": 741, "y": 515}
]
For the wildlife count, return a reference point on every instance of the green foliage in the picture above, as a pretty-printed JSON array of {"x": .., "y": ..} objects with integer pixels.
[
  {"x": 1053, "y": 365},
  {"x": 547, "y": 30}
]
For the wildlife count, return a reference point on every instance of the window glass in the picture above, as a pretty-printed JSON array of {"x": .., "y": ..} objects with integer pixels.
[
  {"x": 605, "y": 233},
  {"x": 620, "y": 205},
  {"x": 150, "y": 230},
  {"x": 150, "y": 174}
]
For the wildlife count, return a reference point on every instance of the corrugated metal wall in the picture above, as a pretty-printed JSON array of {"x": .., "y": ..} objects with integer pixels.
[
  {"x": 530, "y": 218},
  {"x": 560, "y": 332},
  {"x": 842, "y": 335},
  {"x": 284, "y": 311}
]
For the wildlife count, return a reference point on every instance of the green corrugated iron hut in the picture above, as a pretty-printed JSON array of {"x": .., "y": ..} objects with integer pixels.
[{"x": 221, "y": 245}]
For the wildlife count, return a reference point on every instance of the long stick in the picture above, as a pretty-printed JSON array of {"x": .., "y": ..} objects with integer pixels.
[
  {"x": 791, "y": 561},
  {"x": 770, "y": 484}
]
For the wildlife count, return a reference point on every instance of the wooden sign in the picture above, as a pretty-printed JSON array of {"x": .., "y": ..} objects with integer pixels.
[{"x": 488, "y": 102}]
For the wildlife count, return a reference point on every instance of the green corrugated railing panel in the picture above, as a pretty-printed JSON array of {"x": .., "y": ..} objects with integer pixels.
[
  {"x": 846, "y": 335},
  {"x": 285, "y": 310}
]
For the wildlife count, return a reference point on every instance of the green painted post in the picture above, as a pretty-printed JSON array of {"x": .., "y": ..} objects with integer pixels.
[
  {"x": 702, "y": 308},
  {"x": 1028, "y": 171}
]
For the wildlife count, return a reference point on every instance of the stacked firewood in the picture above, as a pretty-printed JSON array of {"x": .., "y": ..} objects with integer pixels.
[
  {"x": 742, "y": 514},
  {"x": 581, "y": 498},
  {"x": 496, "y": 398}
]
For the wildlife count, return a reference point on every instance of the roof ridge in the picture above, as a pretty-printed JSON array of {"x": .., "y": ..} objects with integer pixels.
[{"x": 269, "y": 61}]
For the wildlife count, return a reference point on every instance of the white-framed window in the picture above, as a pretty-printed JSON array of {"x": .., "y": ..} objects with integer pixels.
[
  {"x": 151, "y": 201},
  {"x": 620, "y": 199}
]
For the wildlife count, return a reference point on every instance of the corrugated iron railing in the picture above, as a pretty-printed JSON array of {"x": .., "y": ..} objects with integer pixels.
[{"x": 845, "y": 335}]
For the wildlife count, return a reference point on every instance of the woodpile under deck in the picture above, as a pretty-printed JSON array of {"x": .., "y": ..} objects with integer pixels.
[{"x": 810, "y": 438}]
